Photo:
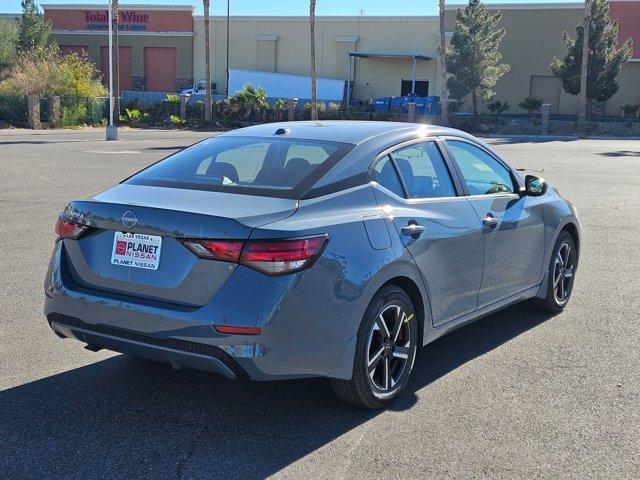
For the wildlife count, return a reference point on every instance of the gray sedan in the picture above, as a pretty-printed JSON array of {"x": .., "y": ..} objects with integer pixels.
[{"x": 331, "y": 249}]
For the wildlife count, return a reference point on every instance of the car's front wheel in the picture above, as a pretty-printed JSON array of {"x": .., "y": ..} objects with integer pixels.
[
  {"x": 562, "y": 270},
  {"x": 385, "y": 351}
]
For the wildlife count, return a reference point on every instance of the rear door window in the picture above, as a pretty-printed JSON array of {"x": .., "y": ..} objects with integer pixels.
[
  {"x": 423, "y": 171},
  {"x": 384, "y": 173}
]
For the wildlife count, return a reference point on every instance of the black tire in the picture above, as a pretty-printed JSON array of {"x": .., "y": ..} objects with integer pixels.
[
  {"x": 365, "y": 390},
  {"x": 553, "y": 302}
]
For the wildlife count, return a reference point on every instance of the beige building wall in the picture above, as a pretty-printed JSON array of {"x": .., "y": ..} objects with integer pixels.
[
  {"x": 260, "y": 43},
  {"x": 281, "y": 44},
  {"x": 533, "y": 38},
  {"x": 629, "y": 92}
]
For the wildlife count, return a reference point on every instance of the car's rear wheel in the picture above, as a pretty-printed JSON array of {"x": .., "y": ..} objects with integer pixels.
[
  {"x": 561, "y": 276},
  {"x": 385, "y": 351}
]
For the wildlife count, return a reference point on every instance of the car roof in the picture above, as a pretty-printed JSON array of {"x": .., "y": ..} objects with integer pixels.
[
  {"x": 345, "y": 131},
  {"x": 369, "y": 137}
]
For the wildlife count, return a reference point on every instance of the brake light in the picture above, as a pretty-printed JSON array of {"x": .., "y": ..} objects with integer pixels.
[
  {"x": 271, "y": 257},
  {"x": 280, "y": 257},
  {"x": 224, "y": 250},
  {"x": 68, "y": 229}
]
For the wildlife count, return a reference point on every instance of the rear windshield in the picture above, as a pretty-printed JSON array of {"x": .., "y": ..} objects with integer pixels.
[{"x": 260, "y": 166}]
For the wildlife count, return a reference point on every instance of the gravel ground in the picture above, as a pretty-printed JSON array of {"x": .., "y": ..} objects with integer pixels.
[{"x": 518, "y": 394}]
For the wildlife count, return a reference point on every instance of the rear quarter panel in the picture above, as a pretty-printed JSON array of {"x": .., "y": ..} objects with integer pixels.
[{"x": 326, "y": 303}]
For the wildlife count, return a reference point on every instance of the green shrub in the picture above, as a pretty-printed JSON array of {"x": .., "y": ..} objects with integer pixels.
[
  {"x": 280, "y": 109},
  {"x": 629, "y": 110},
  {"x": 52, "y": 74},
  {"x": 131, "y": 116},
  {"x": 73, "y": 115},
  {"x": 173, "y": 99},
  {"x": 531, "y": 104},
  {"x": 498, "y": 107},
  {"x": 248, "y": 104},
  {"x": 175, "y": 121},
  {"x": 306, "y": 110}
]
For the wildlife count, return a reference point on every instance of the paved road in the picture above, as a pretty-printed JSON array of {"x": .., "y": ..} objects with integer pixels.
[{"x": 516, "y": 395}]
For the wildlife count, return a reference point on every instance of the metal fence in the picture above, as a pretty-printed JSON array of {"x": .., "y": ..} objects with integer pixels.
[
  {"x": 13, "y": 110},
  {"x": 74, "y": 111},
  {"x": 83, "y": 111}
]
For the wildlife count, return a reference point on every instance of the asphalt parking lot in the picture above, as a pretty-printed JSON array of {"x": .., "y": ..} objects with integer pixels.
[{"x": 519, "y": 394}]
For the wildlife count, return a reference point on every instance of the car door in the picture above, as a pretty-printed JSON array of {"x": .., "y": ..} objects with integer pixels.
[
  {"x": 438, "y": 227},
  {"x": 513, "y": 226}
]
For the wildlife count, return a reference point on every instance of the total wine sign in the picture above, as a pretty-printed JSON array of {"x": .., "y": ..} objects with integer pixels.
[{"x": 127, "y": 20}]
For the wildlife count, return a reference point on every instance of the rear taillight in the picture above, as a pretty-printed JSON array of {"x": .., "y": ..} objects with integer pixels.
[
  {"x": 224, "y": 250},
  {"x": 279, "y": 257},
  {"x": 271, "y": 257},
  {"x": 70, "y": 230}
]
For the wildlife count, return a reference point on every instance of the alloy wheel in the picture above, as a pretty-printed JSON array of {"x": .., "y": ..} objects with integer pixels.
[
  {"x": 389, "y": 348},
  {"x": 563, "y": 269}
]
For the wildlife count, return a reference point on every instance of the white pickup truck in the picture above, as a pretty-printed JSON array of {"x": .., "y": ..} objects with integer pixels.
[{"x": 200, "y": 87}]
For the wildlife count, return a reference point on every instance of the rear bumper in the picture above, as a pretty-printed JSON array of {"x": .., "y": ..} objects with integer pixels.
[
  {"x": 300, "y": 334},
  {"x": 178, "y": 353}
]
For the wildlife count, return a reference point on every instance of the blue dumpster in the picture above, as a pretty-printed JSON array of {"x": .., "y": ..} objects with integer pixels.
[
  {"x": 427, "y": 105},
  {"x": 381, "y": 104},
  {"x": 401, "y": 102}
]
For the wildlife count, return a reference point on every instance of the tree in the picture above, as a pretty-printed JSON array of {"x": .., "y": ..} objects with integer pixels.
[
  {"x": 33, "y": 31},
  {"x": 207, "y": 62},
  {"x": 444, "y": 114},
  {"x": 473, "y": 58},
  {"x": 48, "y": 74},
  {"x": 7, "y": 47},
  {"x": 312, "y": 25},
  {"x": 605, "y": 59}
]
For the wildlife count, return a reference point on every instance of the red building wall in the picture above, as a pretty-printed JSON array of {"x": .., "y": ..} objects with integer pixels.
[
  {"x": 130, "y": 19},
  {"x": 627, "y": 13}
]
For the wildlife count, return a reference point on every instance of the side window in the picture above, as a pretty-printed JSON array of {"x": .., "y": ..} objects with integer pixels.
[
  {"x": 483, "y": 173},
  {"x": 423, "y": 171},
  {"x": 385, "y": 174}
]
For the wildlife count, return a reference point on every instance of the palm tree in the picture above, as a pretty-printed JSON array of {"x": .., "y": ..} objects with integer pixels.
[
  {"x": 116, "y": 59},
  {"x": 444, "y": 96},
  {"x": 582, "y": 111},
  {"x": 312, "y": 24},
  {"x": 207, "y": 54}
]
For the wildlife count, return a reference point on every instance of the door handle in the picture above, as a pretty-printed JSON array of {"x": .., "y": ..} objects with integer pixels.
[
  {"x": 412, "y": 229},
  {"x": 490, "y": 221}
]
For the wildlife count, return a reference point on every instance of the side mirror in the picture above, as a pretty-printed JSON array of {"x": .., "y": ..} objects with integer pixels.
[{"x": 534, "y": 186}]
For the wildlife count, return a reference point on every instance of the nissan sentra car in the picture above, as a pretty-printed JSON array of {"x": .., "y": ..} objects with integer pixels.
[{"x": 309, "y": 249}]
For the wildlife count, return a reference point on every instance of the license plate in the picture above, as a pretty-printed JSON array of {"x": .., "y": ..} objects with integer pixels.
[{"x": 136, "y": 250}]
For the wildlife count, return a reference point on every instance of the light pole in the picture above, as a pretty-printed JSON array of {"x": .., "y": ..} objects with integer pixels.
[
  {"x": 227, "y": 89},
  {"x": 112, "y": 130}
]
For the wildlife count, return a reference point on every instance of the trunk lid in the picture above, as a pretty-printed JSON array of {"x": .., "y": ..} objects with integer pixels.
[{"x": 180, "y": 277}]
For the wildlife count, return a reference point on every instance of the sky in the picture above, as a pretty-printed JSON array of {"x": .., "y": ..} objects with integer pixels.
[{"x": 291, "y": 7}]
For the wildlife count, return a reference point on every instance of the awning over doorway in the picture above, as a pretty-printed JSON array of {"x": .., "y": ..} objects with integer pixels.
[{"x": 411, "y": 56}]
